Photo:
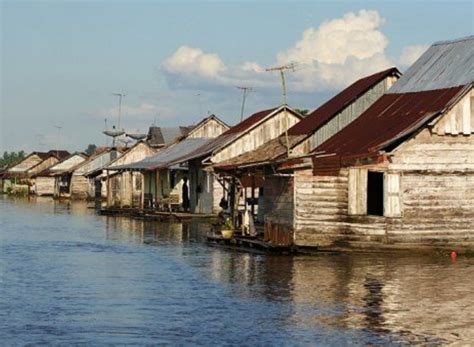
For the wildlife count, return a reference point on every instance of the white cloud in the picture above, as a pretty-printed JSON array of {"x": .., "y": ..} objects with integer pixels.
[
  {"x": 328, "y": 57},
  {"x": 193, "y": 61},
  {"x": 354, "y": 35},
  {"x": 410, "y": 54}
]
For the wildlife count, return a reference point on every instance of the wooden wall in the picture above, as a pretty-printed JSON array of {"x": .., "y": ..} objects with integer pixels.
[
  {"x": 79, "y": 187},
  {"x": 262, "y": 133},
  {"x": 26, "y": 164},
  {"x": 210, "y": 129},
  {"x": 45, "y": 185}
]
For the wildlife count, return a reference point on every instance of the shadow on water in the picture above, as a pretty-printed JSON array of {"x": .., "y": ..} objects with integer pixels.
[{"x": 267, "y": 299}]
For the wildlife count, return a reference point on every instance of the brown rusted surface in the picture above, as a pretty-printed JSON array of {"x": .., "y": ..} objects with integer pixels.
[
  {"x": 329, "y": 109},
  {"x": 278, "y": 235},
  {"x": 391, "y": 118}
]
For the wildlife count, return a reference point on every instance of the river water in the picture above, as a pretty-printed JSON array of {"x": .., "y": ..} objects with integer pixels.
[{"x": 69, "y": 276}]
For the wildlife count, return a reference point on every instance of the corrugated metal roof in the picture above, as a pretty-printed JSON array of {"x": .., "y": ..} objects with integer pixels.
[
  {"x": 391, "y": 118},
  {"x": 165, "y": 157},
  {"x": 228, "y": 136},
  {"x": 64, "y": 165},
  {"x": 444, "y": 65},
  {"x": 268, "y": 152},
  {"x": 248, "y": 122},
  {"x": 307, "y": 126},
  {"x": 325, "y": 112}
]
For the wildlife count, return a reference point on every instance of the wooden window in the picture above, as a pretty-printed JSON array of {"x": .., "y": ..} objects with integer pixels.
[
  {"x": 357, "y": 192},
  {"x": 392, "y": 201},
  {"x": 375, "y": 193}
]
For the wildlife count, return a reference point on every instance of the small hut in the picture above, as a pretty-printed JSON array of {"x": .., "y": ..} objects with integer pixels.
[
  {"x": 20, "y": 177},
  {"x": 125, "y": 187},
  {"x": 84, "y": 182},
  {"x": 55, "y": 181}
]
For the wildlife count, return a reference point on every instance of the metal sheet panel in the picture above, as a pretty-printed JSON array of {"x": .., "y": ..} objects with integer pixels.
[{"x": 444, "y": 65}]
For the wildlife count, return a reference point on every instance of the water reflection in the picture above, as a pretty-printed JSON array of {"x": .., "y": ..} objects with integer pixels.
[{"x": 151, "y": 282}]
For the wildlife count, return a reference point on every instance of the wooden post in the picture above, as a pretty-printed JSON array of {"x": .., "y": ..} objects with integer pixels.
[
  {"x": 253, "y": 196},
  {"x": 131, "y": 188},
  {"x": 109, "y": 186}
]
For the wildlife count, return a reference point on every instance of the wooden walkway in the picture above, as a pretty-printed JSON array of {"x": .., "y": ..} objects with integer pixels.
[
  {"x": 154, "y": 215},
  {"x": 248, "y": 244}
]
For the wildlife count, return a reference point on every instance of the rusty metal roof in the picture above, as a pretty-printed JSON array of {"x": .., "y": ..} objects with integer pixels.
[
  {"x": 264, "y": 154},
  {"x": 328, "y": 110},
  {"x": 231, "y": 134},
  {"x": 390, "y": 119},
  {"x": 276, "y": 148},
  {"x": 444, "y": 65}
]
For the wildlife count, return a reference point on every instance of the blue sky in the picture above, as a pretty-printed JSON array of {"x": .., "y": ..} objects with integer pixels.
[{"x": 62, "y": 60}]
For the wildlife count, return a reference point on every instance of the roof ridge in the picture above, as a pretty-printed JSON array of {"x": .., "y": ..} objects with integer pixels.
[{"x": 461, "y": 39}]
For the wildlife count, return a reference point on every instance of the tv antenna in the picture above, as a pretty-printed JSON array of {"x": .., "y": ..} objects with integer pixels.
[
  {"x": 282, "y": 70},
  {"x": 120, "y": 96},
  {"x": 116, "y": 131},
  {"x": 57, "y": 139},
  {"x": 245, "y": 91}
]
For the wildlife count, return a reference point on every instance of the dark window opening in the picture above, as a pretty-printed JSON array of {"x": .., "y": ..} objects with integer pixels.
[{"x": 375, "y": 193}]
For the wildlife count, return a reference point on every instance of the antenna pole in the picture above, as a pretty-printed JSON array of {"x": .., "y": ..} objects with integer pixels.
[
  {"x": 245, "y": 90},
  {"x": 282, "y": 70},
  {"x": 105, "y": 129},
  {"x": 57, "y": 139},
  {"x": 120, "y": 96}
]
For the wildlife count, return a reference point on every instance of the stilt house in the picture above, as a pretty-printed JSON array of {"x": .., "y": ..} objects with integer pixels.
[
  {"x": 55, "y": 181},
  {"x": 84, "y": 184},
  {"x": 206, "y": 192},
  {"x": 258, "y": 167},
  {"x": 20, "y": 177},
  {"x": 163, "y": 180},
  {"x": 125, "y": 187},
  {"x": 401, "y": 175}
]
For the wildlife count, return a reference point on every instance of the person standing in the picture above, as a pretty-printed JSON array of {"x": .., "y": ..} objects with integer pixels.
[{"x": 185, "y": 193}]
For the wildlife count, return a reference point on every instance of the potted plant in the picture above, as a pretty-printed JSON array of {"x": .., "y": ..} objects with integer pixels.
[{"x": 227, "y": 229}]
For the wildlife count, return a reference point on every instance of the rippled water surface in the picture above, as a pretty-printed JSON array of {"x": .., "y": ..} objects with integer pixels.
[{"x": 68, "y": 276}]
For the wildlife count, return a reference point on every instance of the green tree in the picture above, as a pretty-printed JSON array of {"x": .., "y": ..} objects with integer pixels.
[
  {"x": 11, "y": 157},
  {"x": 91, "y": 148},
  {"x": 302, "y": 111}
]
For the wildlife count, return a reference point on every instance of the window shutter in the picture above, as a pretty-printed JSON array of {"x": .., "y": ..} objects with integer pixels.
[
  {"x": 392, "y": 205},
  {"x": 357, "y": 192}
]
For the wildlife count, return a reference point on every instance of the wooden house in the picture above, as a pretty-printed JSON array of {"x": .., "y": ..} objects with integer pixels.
[
  {"x": 55, "y": 181},
  {"x": 125, "y": 187},
  {"x": 163, "y": 180},
  {"x": 208, "y": 191},
  {"x": 20, "y": 176},
  {"x": 257, "y": 168},
  {"x": 402, "y": 174},
  {"x": 84, "y": 184}
]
